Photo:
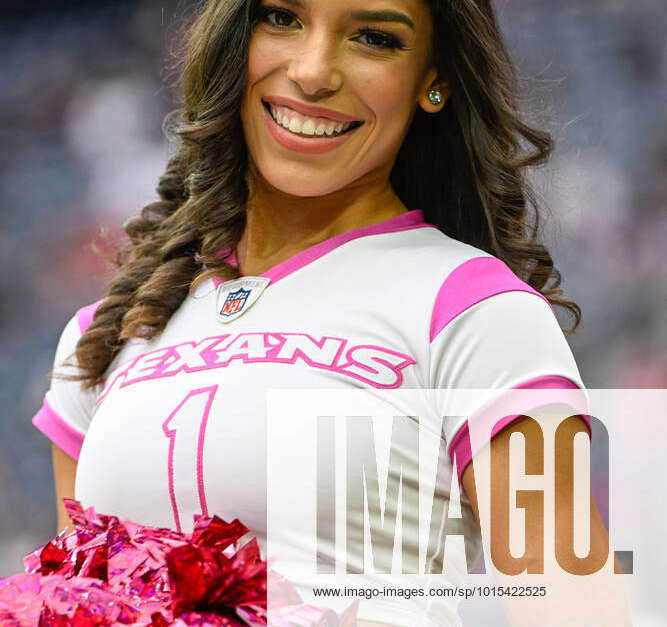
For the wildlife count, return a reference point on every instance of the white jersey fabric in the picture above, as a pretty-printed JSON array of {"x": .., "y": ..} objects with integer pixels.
[{"x": 178, "y": 427}]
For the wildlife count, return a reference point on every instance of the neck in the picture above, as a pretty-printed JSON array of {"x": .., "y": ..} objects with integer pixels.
[{"x": 280, "y": 225}]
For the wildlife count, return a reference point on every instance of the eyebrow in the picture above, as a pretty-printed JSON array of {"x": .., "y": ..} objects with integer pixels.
[{"x": 383, "y": 15}]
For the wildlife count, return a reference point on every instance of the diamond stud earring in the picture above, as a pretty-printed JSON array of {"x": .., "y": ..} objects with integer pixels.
[{"x": 434, "y": 96}]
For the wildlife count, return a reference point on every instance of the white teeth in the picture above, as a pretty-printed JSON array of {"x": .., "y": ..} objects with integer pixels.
[
  {"x": 308, "y": 127},
  {"x": 304, "y": 125},
  {"x": 294, "y": 125}
]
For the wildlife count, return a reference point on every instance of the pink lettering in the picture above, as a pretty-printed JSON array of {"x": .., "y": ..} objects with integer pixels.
[
  {"x": 322, "y": 353},
  {"x": 189, "y": 357},
  {"x": 115, "y": 379},
  {"x": 147, "y": 365},
  {"x": 378, "y": 366},
  {"x": 375, "y": 365},
  {"x": 247, "y": 347}
]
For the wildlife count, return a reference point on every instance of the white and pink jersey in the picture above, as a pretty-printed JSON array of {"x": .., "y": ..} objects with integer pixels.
[{"x": 178, "y": 427}]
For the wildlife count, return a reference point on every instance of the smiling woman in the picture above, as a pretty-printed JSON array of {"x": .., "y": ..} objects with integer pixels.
[
  {"x": 347, "y": 209},
  {"x": 367, "y": 66}
]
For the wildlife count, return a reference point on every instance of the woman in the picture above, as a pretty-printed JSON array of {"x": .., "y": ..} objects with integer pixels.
[{"x": 347, "y": 209}]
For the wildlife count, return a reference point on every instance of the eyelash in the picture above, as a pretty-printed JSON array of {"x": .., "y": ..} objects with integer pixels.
[{"x": 391, "y": 41}]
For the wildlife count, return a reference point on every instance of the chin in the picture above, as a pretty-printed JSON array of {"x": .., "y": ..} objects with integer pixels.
[{"x": 298, "y": 182}]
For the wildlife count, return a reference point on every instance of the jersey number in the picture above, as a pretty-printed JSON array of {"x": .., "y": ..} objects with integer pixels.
[{"x": 186, "y": 464}]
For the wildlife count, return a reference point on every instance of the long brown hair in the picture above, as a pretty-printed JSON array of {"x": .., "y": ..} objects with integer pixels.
[{"x": 464, "y": 167}]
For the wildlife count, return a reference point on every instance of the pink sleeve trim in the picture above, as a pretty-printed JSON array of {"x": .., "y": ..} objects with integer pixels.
[
  {"x": 49, "y": 422},
  {"x": 471, "y": 282},
  {"x": 460, "y": 446},
  {"x": 85, "y": 315}
]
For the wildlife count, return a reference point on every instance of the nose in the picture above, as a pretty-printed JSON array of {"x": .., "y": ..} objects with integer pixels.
[{"x": 314, "y": 65}]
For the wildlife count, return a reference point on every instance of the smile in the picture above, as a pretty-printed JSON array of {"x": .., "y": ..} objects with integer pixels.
[
  {"x": 308, "y": 126},
  {"x": 306, "y": 134}
]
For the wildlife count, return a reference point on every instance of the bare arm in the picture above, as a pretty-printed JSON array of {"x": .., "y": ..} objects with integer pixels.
[
  {"x": 608, "y": 598},
  {"x": 64, "y": 473},
  {"x": 564, "y": 508}
]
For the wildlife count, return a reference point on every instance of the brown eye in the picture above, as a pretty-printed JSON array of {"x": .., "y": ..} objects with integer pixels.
[
  {"x": 283, "y": 18},
  {"x": 379, "y": 39}
]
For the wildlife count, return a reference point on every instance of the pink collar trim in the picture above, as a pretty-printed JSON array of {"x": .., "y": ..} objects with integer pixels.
[{"x": 409, "y": 220}]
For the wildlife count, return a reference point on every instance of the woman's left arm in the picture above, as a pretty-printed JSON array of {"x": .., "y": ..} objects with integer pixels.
[{"x": 607, "y": 601}]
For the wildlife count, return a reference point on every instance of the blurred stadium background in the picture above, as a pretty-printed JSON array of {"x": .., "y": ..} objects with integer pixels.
[{"x": 84, "y": 89}]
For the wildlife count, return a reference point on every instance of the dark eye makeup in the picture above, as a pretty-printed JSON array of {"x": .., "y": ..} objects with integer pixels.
[{"x": 386, "y": 40}]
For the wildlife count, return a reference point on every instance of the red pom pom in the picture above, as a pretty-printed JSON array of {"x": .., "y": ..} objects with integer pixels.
[
  {"x": 51, "y": 558},
  {"x": 110, "y": 572},
  {"x": 187, "y": 578},
  {"x": 215, "y": 533}
]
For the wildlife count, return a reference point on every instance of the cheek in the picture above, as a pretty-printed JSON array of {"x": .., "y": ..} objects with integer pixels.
[
  {"x": 390, "y": 97},
  {"x": 260, "y": 64},
  {"x": 261, "y": 60},
  {"x": 393, "y": 96},
  {"x": 255, "y": 63}
]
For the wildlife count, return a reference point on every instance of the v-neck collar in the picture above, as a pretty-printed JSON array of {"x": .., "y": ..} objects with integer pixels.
[{"x": 404, "y": 221}]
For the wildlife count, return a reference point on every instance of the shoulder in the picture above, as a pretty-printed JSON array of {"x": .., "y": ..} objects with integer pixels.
[
  {"x": 476, "y": 280},
  {"x": 449, "y": 277},
  {"x": 457, "y": 275},
  {"x": 84, "y": 315},
  {"x": 489, "y": 328},
  {"x": 75, "y": 327},
  {"x": 67, "y": 407},
  {"x": 433, "y": 249}
]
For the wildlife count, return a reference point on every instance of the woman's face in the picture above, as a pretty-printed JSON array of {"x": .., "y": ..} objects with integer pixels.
[{"x": 336, "y": 55}]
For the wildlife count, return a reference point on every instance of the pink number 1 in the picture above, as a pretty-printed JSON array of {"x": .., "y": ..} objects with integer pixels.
[{"x": 202, "y": 399}]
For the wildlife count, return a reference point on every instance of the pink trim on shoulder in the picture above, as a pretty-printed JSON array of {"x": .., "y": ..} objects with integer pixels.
[
  {"x": 402, "y": 222},
  {"x": 85, "y": 315},
  {"x": 471, "y": 282},
  {"x": 460, "y": 445},
  {"x": 51, "y": 424}
]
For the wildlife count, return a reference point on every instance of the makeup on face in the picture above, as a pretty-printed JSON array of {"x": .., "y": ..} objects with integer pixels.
[
  {"x": 330, "y": 89},
  {"x": 298, "y": 131}
]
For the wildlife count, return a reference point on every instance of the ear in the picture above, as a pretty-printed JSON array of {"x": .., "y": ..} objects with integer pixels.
[
  {"x": 429, "y": 83},
  {"x": 425, "y": 102}
]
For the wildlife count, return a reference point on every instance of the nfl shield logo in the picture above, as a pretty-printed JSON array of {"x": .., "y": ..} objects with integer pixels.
[
  {"x": 236, "y": 297},
  {"x": 234, "y": 302}
]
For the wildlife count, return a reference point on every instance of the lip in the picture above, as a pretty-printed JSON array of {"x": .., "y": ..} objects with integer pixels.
[
  {"x": 311, "y": 110},
  {"x": 309, "y": 145}
]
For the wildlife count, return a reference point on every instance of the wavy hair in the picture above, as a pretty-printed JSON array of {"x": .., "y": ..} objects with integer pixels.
[{"x": 472, "y": 187}]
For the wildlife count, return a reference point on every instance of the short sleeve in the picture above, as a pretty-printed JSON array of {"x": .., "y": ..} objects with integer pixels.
[
  {"x": 490, "y": 330},
  {"x": 67, "y": 407}
]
